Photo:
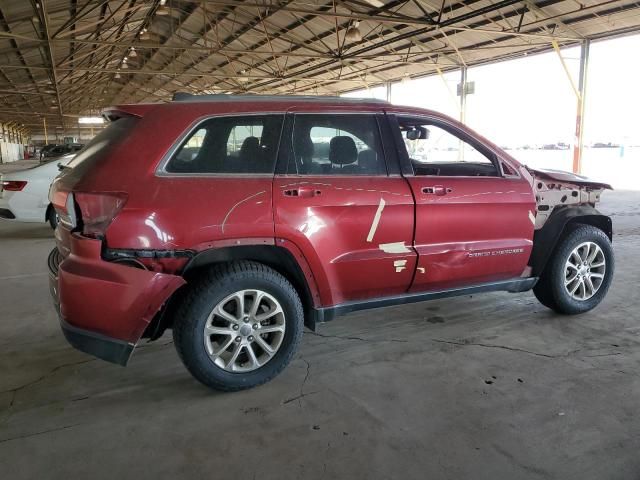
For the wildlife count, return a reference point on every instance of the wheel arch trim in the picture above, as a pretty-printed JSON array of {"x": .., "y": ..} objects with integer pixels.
[{"x": 546, "y": 239}]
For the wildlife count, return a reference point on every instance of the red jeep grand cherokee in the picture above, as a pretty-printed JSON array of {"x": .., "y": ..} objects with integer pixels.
[{"x": 238, "y": 220}]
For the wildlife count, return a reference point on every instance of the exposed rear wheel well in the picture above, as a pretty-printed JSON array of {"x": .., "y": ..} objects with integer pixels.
[{"x": 277, "y": 258}]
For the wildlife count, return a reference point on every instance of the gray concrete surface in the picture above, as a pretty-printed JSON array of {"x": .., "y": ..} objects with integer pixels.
[{"x": 485, "y": 386}]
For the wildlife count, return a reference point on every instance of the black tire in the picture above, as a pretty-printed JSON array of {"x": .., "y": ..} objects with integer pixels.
[
  {"x": 52, "y": 217},
  {"x": 207, "y": 291},
  {"x": 550, "y": 289}
]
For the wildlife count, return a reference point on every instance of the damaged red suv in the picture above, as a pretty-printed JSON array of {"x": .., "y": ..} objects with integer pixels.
[{"x": 236, "y": 221}]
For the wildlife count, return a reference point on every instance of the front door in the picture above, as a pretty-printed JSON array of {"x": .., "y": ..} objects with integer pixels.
[
  {"x": 474, "y": 223},
  {"x": 352, "y": 220}
]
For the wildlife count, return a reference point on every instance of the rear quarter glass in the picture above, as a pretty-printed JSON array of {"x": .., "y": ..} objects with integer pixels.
[{"x": 98, "y": 148}]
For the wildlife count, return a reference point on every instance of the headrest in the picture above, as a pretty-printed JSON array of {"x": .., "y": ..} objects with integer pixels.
[
  {"x": 250, "y": 147},
  {"x": 342, "y": 150}
]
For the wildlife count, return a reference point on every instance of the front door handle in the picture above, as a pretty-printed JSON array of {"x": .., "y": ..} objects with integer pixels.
[
  {"x": 302, "y": 192},
  {"x": 437, "y": 190}
]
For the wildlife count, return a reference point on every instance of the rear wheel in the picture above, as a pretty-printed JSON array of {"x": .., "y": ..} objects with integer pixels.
[
  {"x": 238, "y": 326},
  {"x": 579, "y": 272}
]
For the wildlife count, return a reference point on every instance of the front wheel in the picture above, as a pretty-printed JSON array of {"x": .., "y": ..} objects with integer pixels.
[
  {"x": 579, "y": 272},
  {"x": 238, "y": 326}
]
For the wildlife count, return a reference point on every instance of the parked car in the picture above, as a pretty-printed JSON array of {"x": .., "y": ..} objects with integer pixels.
[
  {"x": 237, "y": 220},
  {"x": 24, "y": 194},
  {"x": 60, "y": 150}
]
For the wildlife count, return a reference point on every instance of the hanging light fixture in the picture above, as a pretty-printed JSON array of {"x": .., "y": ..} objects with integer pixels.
[
  {"x": 133, "y": 53},
  {"x": 117, "y": 75},
  {"x": 163, "y": 9},
  {"x": 353, "y": 33}
]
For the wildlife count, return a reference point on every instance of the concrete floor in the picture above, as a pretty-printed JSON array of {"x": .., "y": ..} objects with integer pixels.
[{"x": 483, "y": 386}]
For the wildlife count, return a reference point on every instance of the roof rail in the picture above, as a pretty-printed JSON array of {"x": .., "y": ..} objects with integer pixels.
[{"x": 223, "y": 97}]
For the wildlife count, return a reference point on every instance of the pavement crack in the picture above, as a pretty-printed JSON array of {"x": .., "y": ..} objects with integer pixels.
[
  {"x": 42, "y": 432},
  {"x": 502, "y": 347},
  {"x": 359, "y": 339},
  {"x": 42, "y": 377}
]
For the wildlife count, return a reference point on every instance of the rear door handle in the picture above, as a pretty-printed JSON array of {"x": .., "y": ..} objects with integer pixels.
[
  {"x": 436, "y": 190},
  {"x": 302, "y": 192}
]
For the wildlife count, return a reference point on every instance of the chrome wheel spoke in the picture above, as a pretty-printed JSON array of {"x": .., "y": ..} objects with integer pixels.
[
  {"x": 575, "y": 287},
  {"x": 220, "y": 312},
  {"x": 252, "y": 357},
  {"x": 265, "y": 346},
  {"x": 271, "y": 329},
  {"x": 256, "y": 304},
  {"x": 597, "y": 275},
  {"x": 267, "y": 315},
  {"x": 222, "y": 349},
  {"x": 234, "y": 356},
  {"x": 213, "y": 330}
]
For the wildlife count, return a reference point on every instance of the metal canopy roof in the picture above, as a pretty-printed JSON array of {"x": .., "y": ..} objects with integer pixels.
[{"x": 63, "y": 58}]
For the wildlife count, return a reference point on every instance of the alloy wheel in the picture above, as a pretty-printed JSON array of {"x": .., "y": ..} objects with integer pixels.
[
  {"x": 244, "y": 331},
  {"x": 584, "y": 271}
]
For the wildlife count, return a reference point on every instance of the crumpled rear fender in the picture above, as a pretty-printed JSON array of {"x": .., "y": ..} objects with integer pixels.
[{"x": 107, "y": 298}]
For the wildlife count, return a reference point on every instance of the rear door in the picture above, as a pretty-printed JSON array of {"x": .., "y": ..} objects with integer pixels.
[
  {"x": 340, "y": 198},
  {"x": 474, "y": 213}
]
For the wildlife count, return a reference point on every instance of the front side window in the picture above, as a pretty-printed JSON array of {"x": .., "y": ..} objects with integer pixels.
[
  {"x": 435, "y": 151},
  {"x": 336, "y": 145},
  {"x": 236, "y": 144}
]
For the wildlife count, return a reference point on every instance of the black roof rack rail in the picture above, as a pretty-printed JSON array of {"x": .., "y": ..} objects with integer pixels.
[{"x": 223, "y": 97}]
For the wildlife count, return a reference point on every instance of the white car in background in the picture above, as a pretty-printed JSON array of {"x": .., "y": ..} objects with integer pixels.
[{"x": 24, "y": 194}]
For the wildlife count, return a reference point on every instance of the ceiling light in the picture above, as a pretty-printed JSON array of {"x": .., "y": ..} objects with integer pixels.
[
  {"x": 133, "y": 53},
  {"x": 117, "y": 75},
  {"x": 353, "y": 33},
  {"x": 124, "y": 66},
  {"x": 163, "y": 9},
  {"x": 375, "y": 3},
  {"x": 91, "y": 120}
]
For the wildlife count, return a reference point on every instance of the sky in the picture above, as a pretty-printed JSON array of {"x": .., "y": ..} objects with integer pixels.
[{"x": 530, "y": 100}]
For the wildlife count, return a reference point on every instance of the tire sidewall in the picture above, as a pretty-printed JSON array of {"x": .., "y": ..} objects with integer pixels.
[
  {"x": 193, "y": 336},
  {"x": 563, "y": 300}
]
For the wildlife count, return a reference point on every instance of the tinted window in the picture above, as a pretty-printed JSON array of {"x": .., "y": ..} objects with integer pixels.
[
  {"x": 243, "y": 144},
  {"x": 336, "y": 145},
  {"x": 96, "y": 149}
]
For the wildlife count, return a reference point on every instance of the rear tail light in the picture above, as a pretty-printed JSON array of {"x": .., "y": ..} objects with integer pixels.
[
  {"x": 13, "y": 185},
  {"x": 97, "y": 211},
  {"x": 63, "y": 203}
]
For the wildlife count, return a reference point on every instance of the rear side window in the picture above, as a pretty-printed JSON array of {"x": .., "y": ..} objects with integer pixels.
[
  {"x": 237, "y": 144},
  {"x": 96, "y": 149},
  {"x": 336, "y": 145}
]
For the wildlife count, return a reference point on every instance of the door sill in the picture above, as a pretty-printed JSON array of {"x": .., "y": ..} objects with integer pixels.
[{"x": 513, "y": 285}]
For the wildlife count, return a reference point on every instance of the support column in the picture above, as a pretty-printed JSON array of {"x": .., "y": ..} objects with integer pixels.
[
  {"x": 582, "y": 89},
  {"x": 44, "y": 123},
  {"x": 463, "y": 93},
  {"x": 388, "y": 87}
]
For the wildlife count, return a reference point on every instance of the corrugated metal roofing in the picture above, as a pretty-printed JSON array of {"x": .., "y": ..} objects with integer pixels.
[{"x": 64, "y": 58}]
